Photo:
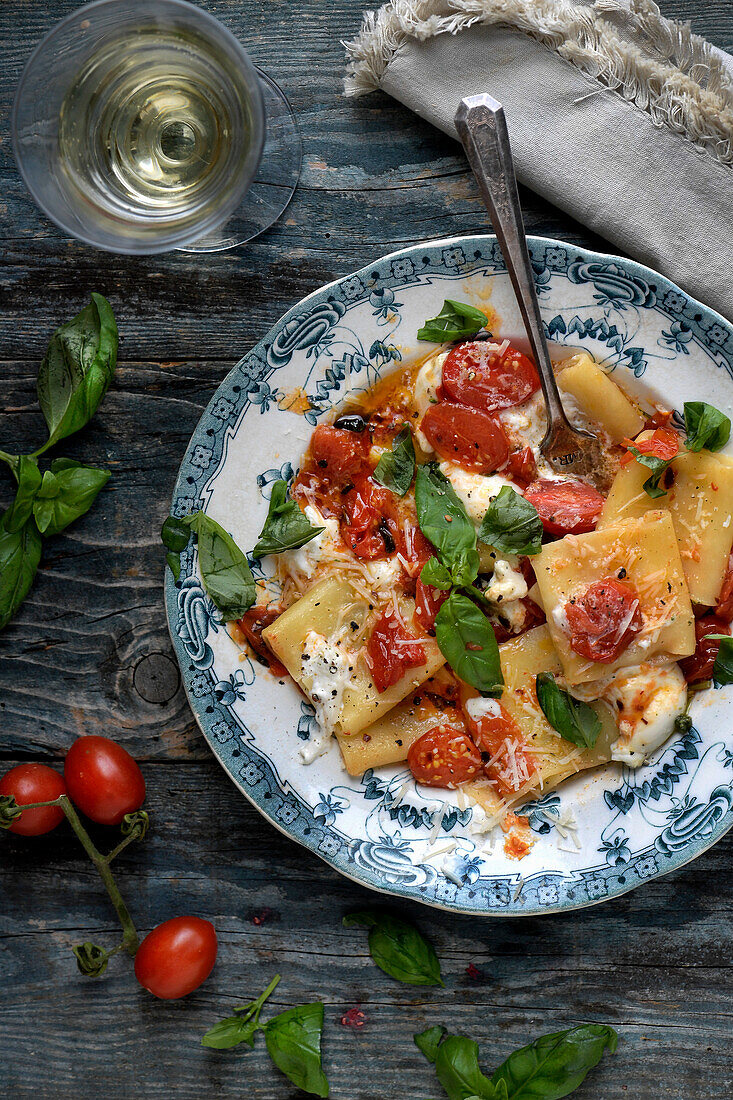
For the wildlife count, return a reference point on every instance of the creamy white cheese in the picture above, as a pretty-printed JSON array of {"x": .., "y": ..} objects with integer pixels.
[
  {"x": 382, "y": 576},
  {"x": 327, "y": 672},
  {"x": 475, "y": 491},
  {"x": 304, "y": 561},
  {"x": 647, "y": 699},
  {"x": 427, "y": 382},
  {"x": 507, "y": 584},
  {"x": 478, "y": 708}
]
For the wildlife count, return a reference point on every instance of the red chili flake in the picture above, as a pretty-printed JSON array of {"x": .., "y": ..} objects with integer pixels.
[
  {"x": 473, "y": 972},
  {"x": 474, "y": 647},
  {"x": 353, "y": 1017}
]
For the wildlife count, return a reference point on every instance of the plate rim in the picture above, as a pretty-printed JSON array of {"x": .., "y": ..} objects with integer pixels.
[{"x": 409, "y": 892}]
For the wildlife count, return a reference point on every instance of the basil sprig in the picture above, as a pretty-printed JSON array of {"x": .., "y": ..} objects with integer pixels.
[
  {"x": 72, "y": 380},
  {"x": 445, "y": 523},
  {"x": 706, "y": 426},
  {"x": 436, "y": 575},
  {"x": 573, "y": 719},
  {"x": 398, "y": 948},
  {"x": 511, "y": 524},
  {"x": 396, "y": 467},
  {"x": 292, "y": 1038},
  {"x": 286, "y": 526},
  {"x": 224, "y": 568},
  {"x": 658, "y": 466},
  {"x": 551, "y": 1067},
  {"x": 468, "y": 643},
  {"x": 456, "y": 321},
  {"x": 723, "y": 667}
]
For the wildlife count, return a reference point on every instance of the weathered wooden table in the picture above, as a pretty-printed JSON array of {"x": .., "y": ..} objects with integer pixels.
[{"x": 89, "y": 653}]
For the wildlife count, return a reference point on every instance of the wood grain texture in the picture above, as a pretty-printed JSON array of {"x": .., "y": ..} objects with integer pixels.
[{"x": 89, "y": 652}]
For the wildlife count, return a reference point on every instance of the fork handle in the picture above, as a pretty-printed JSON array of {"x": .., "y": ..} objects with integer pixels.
[{"x": 483, "y": 131}]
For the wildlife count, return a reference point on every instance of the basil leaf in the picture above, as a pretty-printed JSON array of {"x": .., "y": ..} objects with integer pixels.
[
  {"x": 20, "y": 554},
  {"x": 706, "y": 426},
  {"x": 173, "y": 561},
  {"x": 456, "y": 1065},
  {"x": 66, "y": 495},
  {"x": 435, "y": 574},
  {"x": 230, "y": 1032},
  {"x": 224, "y": 567},
  {"x": 573, "y": 719},
  {"x": 396, "y": 468},
  {"x": 77, "y": 369},
  {"x": 456, "y": 321},
  {"x": 554, "y": 1065},
  {"x": 658, "y": 466},
  {"x": 468, "y": 643},
  {"x": 286, "y": 527},
  {"x": 512, "y": 525},
  {"x": 445, "y": 523},
  {"x": 175, "y": 534},
  {"x": 294, "y": 1043},
  {"x": 28, "y": 477},
  {"x": 429, "y": 1040},
  {"x": 398, "y": 948},
  {"x": 723, "y": 667}
]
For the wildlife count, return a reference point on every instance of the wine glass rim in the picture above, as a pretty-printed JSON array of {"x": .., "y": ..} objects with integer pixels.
[{"x": 258, "y": 132}]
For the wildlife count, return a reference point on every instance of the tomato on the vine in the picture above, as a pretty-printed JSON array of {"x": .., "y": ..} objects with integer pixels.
[
  {"x": 103, "y": 780},
  {"x": 176, "y": 957},
  {"x": 34, "y": 783}
]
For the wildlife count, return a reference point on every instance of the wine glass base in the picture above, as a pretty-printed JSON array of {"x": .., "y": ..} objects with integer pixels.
[{"x": 275, "y": 182}]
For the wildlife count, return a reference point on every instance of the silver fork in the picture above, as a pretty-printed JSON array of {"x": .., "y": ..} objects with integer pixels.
[{"x": 482, "y": 128}]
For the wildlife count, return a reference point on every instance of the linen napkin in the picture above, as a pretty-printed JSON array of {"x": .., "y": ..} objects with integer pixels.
[{"x": 619, "y": 116}]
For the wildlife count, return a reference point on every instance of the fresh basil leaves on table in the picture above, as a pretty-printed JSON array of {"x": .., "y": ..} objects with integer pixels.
[
  {"x": 456, "y": 321},
  {"x": 396, "y": 467},
  {"x": 512, "y": 525},
  {"x": 286, "y": 526},
  {"x": 398, "y": 948},
  {"x": 292, "y": 1038},
  {"x": 706, "y": 427},
  {"x": 72, "y": 380},
  {"x": 573, "y": 719},
  {"x": 549, "y": 1068}
]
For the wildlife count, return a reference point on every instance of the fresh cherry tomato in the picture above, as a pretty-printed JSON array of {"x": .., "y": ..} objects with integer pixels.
[
  {"x": 338, "y": 454},
  {"x": 252, "y": 623},
  {"x": 103, "y": 780},
  {"x": 176, "y": 957},
  {"x": 724, "y": 610},
  {"x": 521, "y": 467},
  {"x": 603, "y": 621},
  {"x": 663, "y": 443},
  {"x": 369, "y": 526},
  {"x": 497, "y": 734},
  {"x": 34, "y": 783},
  {"x": 565, "y": 507},
  {"x": 476, "y": 374},
  {"x": 428, "y": 602},
  {"x": 466, "y": 436},
  {"x": 700, "y": 665},
  {"x": 444, "y": 757},
  {"x": 391, "y": 651}
]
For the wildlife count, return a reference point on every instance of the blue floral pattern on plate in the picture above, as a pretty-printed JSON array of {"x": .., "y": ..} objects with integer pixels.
[{"x": 379, "y": 829}]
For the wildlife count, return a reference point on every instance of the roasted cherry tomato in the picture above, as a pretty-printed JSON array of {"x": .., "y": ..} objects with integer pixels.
[
  {"x": 339, "y": 454},
  {"x": 34, "y": 783},
  {"x": 428, "y": 602},
  {"x": 663, "y": 443},
  {"x": 603, "y": 622},
  {"x": 724, "y": 610},
  {"x": 497, "y": 734},
  {"x": 444, "y": 757},
  {"x": 521, "y": 467},
  {"x": 477, "y": 374},
  {"x": 700, "y": 665},
  {"x": 103, "y": 780},
  {"x": 391, "y": 651},
  {"x": 252, "y": 623},
  {"x": 176, "y": 957},
  {"x": 369, "y": 526},
  {"x": 565, "y": 507},
  {"x": 660, "y": 418},
  {"x": 466, "y": 436}
]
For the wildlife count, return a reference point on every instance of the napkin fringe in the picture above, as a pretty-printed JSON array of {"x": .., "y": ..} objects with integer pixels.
[{"x": 673, "y": 75}]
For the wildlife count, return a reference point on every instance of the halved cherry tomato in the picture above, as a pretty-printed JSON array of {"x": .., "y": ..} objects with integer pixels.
[
  {"x": 521, "y": 467},
  {"x": 444, "y": 757},
  {"x": 176, "y": 957},
  {"x": 428, "y": 602},
  {"x": 700, "y": 665},
  {"x": 724, "y": 610},
  {"x": 103, "y": 780},
  {"x": 513, "y": 767},
  {"x": 339, "y": 454},
  {"x": 565, "y": 507},
  {"x": 604, "y": 620},
  {"x": 34, "y": 783},
  {"x": 476, "y": 374},
  {"x": 252, "y": 623},
  {"x": 369, "y": 525},
  {"x": 663, "y": 443},
  {"x": 391, "y": 651},
  {"x": 466, "y": 436}
]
